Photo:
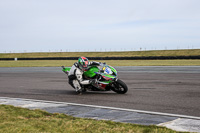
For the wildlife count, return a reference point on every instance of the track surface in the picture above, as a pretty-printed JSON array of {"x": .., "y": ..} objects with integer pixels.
[{"x": 161, "y": 89}]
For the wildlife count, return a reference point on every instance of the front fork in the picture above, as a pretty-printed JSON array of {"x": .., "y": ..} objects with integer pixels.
[
  {"x": 115, "y": 79},
  {"x": 113, "y": 83}
]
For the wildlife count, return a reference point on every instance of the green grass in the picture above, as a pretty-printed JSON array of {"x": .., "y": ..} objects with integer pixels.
[
  {"x": 51, "y": 63},
  {"x": 191, "y": 52},
  {"x": 15, "y": 119}
]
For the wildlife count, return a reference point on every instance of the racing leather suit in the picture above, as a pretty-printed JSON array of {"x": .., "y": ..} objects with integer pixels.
[{"x": 76, "y": 76}]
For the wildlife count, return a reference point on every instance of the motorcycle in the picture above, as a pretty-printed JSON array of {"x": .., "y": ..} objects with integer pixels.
[{"x": 106, "y": 79}]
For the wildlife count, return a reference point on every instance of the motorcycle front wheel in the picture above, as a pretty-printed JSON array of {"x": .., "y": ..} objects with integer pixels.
[{"x": 120, "y": 87}]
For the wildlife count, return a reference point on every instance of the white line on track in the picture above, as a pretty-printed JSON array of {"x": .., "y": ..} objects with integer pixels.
[{"x": 105, "y": 107}]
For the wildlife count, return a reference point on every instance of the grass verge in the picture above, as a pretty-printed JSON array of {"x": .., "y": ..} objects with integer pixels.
[
  {"x": 190, "y": 52},
  {"x": 15, "y": 119},
  {"x": 53, "y": 63}
]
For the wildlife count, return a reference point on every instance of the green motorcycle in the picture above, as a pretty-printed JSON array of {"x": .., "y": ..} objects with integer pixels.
[{"x": 106, "y": 77}]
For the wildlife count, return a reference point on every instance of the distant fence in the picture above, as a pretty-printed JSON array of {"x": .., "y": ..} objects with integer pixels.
[{"x": 110, "y": 58}]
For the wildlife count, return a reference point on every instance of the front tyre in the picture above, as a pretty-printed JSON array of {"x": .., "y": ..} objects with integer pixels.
[{"x": 120, "y": 87}]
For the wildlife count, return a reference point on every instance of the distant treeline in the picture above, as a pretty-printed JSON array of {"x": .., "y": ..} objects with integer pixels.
[{"x": 110, "y": 58}]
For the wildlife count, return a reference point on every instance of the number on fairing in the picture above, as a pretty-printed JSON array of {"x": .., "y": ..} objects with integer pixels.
[{"x": 108, "y": 70}]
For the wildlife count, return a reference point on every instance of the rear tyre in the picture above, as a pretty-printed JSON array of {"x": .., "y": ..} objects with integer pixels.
[{"x": 120, "y": 87}]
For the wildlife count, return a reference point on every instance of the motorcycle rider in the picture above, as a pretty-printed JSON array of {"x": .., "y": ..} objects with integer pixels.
[{"x": 75, "y": 75}]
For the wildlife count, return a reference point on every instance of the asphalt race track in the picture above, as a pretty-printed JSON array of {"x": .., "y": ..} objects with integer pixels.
[{"x": 173, "y": 90}]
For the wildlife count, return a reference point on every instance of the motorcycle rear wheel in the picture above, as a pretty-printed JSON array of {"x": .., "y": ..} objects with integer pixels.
[{"x": 120, "y": 87}]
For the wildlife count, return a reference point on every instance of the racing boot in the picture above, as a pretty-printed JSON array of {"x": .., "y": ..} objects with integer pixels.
[
  {"x": 77, "y": 87},
  {"x": 79, "y": 91}
]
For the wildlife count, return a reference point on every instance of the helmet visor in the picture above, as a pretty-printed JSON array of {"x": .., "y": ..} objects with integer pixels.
[{"x": 85, "y": 64}]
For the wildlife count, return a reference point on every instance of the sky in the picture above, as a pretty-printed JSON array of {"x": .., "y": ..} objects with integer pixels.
[{"x": 98, "y": 25}]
